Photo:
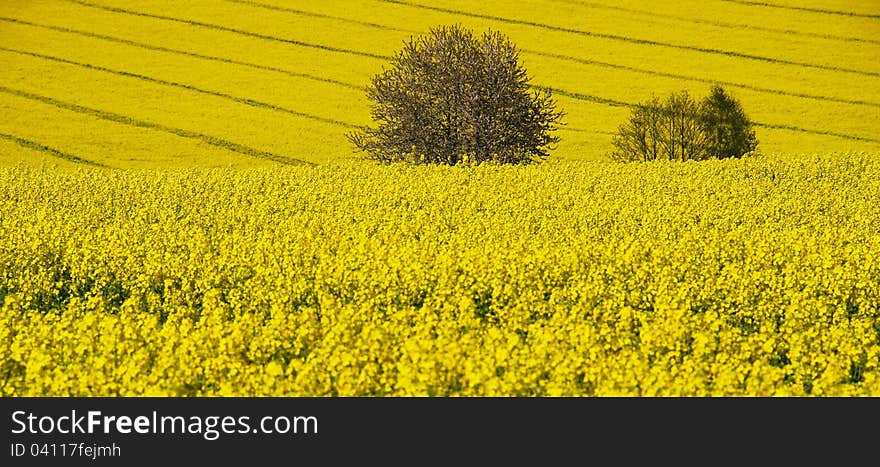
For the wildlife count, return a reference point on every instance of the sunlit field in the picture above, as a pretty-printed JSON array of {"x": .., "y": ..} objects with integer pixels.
[
  {"x": 182, "y": 214},
  {"x": 239, "y": 83}
]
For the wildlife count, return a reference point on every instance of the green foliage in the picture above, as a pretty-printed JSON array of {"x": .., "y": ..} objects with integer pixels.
[
  {"x": 680, "y": 128},
  {"x": 728, "y": 130}
]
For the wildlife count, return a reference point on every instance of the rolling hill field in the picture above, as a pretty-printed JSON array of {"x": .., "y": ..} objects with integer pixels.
[
  {"x": 129, "y": 83},
  {"x": 182, "y": 214}
]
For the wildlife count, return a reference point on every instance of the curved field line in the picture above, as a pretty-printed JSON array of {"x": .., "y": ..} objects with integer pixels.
[
  {"x": 592, "y": 132},
  {"x": 181, "y": 52},
  {"x": 257, "y": 153},
  {"x": 616, "y": 103},
  {"x": 29, "y": 144},
  {"x": 702, "y": 80},
  {"x": 815, "y": 132},
  {"x": 362, "y": 88},
  {"x": 581, "y": 130},
  {"x": 319, "y": 15},
  {"x": 250, "y": 151},
  {"x": 584, "y": 97},
  {"x": 242, "y": 32},
  {"x": 236, "y": 99},
  {"x": 800, "y": 8},
  {"x": 117, "y": 118},
  {"x": 633, "y": 40},
  {"x": 721, "y": 24}
]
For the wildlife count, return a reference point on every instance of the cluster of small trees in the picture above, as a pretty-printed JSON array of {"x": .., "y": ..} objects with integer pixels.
[
  {"x": 680, "y": 128},
  {"x": 451, "y": 97}
]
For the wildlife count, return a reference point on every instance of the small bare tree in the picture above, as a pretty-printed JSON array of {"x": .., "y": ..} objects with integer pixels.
[
  {"x": 640, "y": 137},
  {"x": 450, "y": 97},
  {"x": 684, "y": 137}
]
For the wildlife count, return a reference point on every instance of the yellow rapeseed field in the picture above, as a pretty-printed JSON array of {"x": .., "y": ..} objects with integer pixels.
[
  {"x": 160, "y": 83},
  {"x": 758, "y": 276},
  {"x": 181, "y": 213}
]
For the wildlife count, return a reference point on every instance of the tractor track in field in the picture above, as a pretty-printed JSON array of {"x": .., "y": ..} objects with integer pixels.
[
  {"x": 311, "y": 14},
  {"x": 235, "y": 147},
  {"x": 805, "y": 9},
  {"x": 631, "y": 40},
  {"x": 218, "y": 27},
  {"x": 616, "y": 103},
  {"x": 123, "y": 119},
  {"x": 33, "y": 145},
  {"x": 189, "y": 87},
  {"x": 157, "y": 48},
  {"x": 362, "y": 88},
  {"x": 720, "y": 24},
  {"x": 701, "y": 80}
]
